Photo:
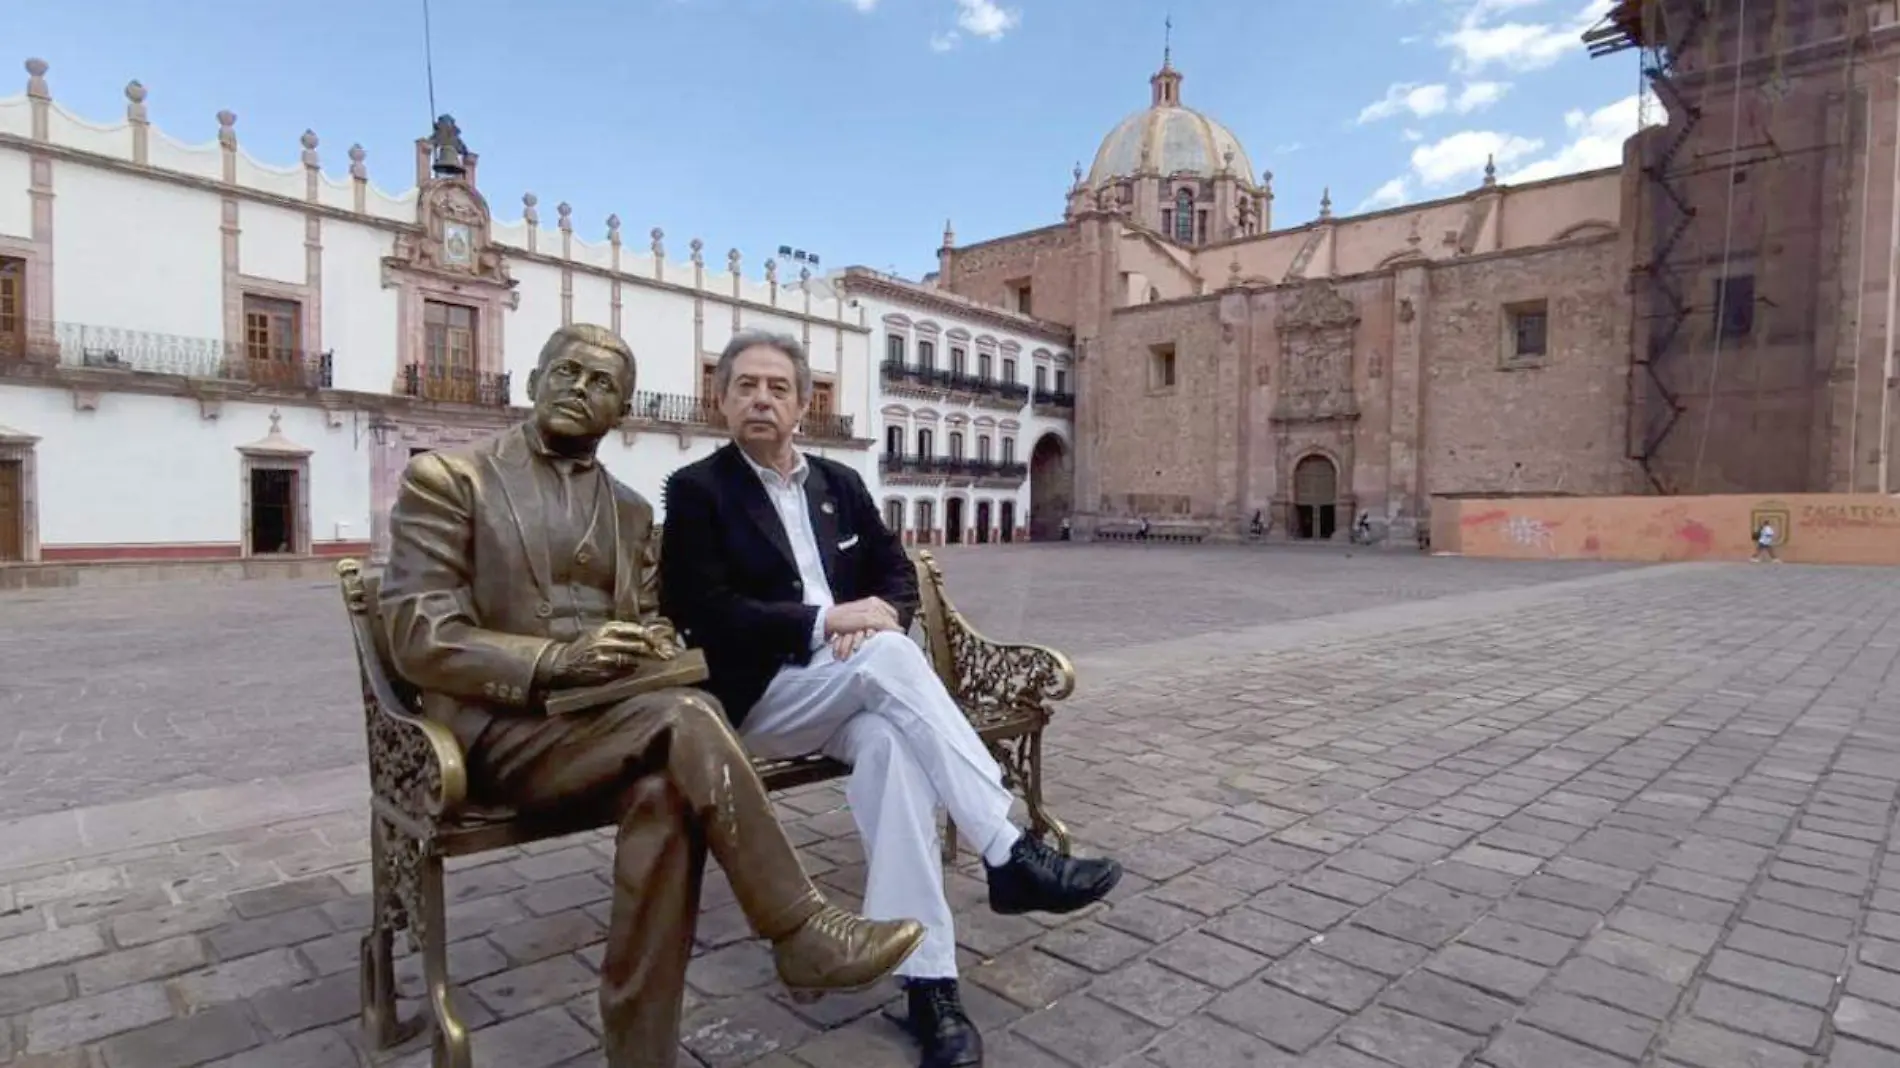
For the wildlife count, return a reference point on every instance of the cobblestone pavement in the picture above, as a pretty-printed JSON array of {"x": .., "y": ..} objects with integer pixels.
[
  {"x": 1559, "y": 819},
  {"x": 116, "y": 694}
]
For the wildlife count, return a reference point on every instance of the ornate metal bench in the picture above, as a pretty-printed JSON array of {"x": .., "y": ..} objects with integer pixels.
[{"x": 422, "y": 814}]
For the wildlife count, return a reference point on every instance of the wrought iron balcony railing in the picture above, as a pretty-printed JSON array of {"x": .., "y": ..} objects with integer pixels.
[
  {"x": 898, "y": 372},
  {"x": 455, "y": 385},
  {"x": 111, "y": 348},
  {"x": 950, "y": 467},
  {"x": 680, "y": 409},
  {"x": 1055, "y": 398}
]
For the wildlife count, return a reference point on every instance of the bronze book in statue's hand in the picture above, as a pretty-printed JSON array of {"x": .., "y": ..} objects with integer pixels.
[{"x": 685, "y": 669}]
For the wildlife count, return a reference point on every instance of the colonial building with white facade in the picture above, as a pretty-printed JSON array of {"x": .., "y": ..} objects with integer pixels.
[
  {"x": 974, "y": 409},
  {"x": 203, "y": 356}
]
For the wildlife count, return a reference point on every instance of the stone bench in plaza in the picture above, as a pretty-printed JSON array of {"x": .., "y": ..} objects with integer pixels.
[
  {"x": 422, "y": 813},
  {"x": 1187, "y": 533}
]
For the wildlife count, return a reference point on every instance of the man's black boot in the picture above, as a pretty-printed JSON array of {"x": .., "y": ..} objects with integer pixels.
[
  {"x": 937, "y": 1020},
  {"x": 1039, "y": 879}
]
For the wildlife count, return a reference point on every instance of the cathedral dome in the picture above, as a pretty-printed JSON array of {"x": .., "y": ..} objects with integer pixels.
[{"x": 1168, "y": 139}]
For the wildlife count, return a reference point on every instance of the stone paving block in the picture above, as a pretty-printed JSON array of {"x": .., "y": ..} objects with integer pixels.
[
  {"x": 32, "y": 952},
  {"x": 30, "y": 990},
  {"x": 154, "y": 961},
  {"x": 1488, "y": 971},
  {"x": 1625, "y": 1034},
  {"x": 1200, "y": 895},
  {"x": 1092, "y": 945},
  {"x": 328, "y": 1048},
  {"x": 282, "y": 897},
  {"x": 1705, "y": 1045},
  {"x": 1323, "y": 979},
  {"x": 1518, "y": 940},
  {"x": 286, "y": 928},
  {"x": 523, "y": 990},
  {"x": 1030, "y": 977},
  {"x": 1154, "y": 994},
  {"x": 546, "y": 936},
  {"x": 207, "y": 1036},
  {"x": 1448, "y": 1002},
  {"x": 1868, "y": 1021},
  {"x": 1520, "y": 1046},
  {"x": 237, "y": 979},
  {"x": 1301, "y": 906},
  {"x": 288, "y": 1010},
  {"x": 1407, "y": 1040},
  {"x": 1788, "y": 948},
  {"x": 1276, "y": 1015},
  {"x": 73, "y": 1023},
  {"x": 1147, "y": 918},
  {"x": 1367, "y": 949},
  {"x": 1085, "y": 1031}
]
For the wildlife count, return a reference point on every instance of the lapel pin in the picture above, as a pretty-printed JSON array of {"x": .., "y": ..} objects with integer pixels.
[{"x": 827, "y": 508}]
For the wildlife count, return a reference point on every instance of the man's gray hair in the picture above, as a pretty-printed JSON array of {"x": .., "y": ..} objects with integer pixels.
[{"x": 746, "y": 339}]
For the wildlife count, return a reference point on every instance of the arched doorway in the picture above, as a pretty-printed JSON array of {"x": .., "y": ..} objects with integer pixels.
[
  {"x": 1051, "y": 487},
  {"x": 1315, "y": 498},
  {"x": 1008, "y": 521},
  {"x": 953, "y": 521},
  {"x": 926, "y": 522},
  {"x": 982, "y": 522},
  {"x": 894, "y": 516}
]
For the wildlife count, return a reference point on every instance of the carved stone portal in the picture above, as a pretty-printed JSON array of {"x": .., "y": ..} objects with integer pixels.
[
  {"x": 1316, "y": 351},
  {"x": 453, "y": 242}
]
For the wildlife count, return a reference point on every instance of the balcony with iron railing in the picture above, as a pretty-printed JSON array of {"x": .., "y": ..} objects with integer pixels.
[
  {"x": 948, "y": 467},
  {"x": 679, "y": 409},
  {"x": 455, "y": 385},
  {"x": 899, "y": 373},
  {"x": 111, "y": 349},
  {"x": 1054, "y": 398}
]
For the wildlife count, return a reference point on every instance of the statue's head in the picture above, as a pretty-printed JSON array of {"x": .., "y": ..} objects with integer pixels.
[
  {"x": 763, "y": 382},
  {"x": 582, "y": 386}
]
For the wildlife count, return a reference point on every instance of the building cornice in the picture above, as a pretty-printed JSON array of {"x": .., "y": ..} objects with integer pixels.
[
  {"x": 218, "y": 188},
  {"x": 865, "y": 282}
]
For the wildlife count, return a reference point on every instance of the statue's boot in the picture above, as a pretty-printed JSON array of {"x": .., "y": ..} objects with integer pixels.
[{"x": 840, "y": 950}]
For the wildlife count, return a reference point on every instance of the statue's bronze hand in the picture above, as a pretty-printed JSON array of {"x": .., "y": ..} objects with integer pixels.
[{"x": 603, "y": 654}]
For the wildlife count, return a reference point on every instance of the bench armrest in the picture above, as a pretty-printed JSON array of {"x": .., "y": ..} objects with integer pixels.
[
  {"x": 983, "y": 673},
  {"x": 415, "y": 764}
]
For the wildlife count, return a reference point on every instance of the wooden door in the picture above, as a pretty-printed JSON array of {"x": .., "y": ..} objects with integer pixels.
[{"x": 12, "y": 510}]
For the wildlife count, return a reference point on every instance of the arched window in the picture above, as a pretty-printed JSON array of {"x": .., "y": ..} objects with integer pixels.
[
  {"x": 924, "y": 444},
  {"x": 956, "y": 444},
  {"x": 1009, "y": 450},
  {"x": 983, "y": 447},
  {"x": 1184, "y": 217},
  {"x": 894, "y": 440}
]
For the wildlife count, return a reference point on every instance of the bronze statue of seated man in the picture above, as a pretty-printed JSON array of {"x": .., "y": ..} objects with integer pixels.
[{"x": 521, "y": 572}]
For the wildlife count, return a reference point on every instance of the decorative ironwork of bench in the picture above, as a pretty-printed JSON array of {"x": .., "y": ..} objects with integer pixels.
[
  {"x": 1156, "y": 532},
  {"x": 422, "y": 814}
]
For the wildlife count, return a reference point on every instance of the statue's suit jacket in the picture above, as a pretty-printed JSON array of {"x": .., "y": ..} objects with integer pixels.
[{"x": 464, "y": 597}]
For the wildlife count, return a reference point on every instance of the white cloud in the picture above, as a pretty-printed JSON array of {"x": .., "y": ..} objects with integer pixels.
[
  {"x": 1476, "y": 96},
  {"x": 1389, "y": 195},
  {"x": 944, "y": 42},
  {"x": 1463, "y": 154},
  {"x": 986, "y": 18},
  {"x": 1419, "y": 100},
  {"x": 1596, "y": 140},
  {"x": 1413, "y": 135},
  {"x": 1481, "y": 41},
  {"x": 866, "y": 6},
  {"x": 1425, "y": 101}
]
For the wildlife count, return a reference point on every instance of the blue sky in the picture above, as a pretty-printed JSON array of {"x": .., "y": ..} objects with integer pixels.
[{"x": 854, "y": 128}]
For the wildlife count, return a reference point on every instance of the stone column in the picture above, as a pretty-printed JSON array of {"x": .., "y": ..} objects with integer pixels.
[{"x": 1405, "y": 461}]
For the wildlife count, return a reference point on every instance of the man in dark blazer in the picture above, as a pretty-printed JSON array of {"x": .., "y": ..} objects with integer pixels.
[
  {"x": 778, "y": 566},
  {"x": 519, "y": 567}
]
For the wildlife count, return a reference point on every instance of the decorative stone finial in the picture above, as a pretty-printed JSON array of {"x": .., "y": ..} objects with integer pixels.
[
  {"x": 1227, "y": 159},
  {"x": 276, "y": 421},
  {"x": 659, "y": 243},
  {"x": 771, "y": 271},
  {"x": 530, "y": 212},
  {"x": 732, "y": 260},
  {"x": 613, "y": 228},
  {"x": 309, "y": 142},
  {"x": 357, "y": 156},
  {"x": 134, "y": 101},
  {"x": 1233, "y": 271},
  {"x": 1266, "y": 181},
  {"x": 566, "y": 213},
  {"x": 698, "y": 248},
  {"x": 36, "y": 80},
  {"x": 1326, "y": 203},
  {"x": 804, "y": 275},
  {"x": 1078, "y": 172},
  {"x": 949, "y": 235},
  {"x": 1490, "y": 171},
  {"x": 227, "y": 129}
]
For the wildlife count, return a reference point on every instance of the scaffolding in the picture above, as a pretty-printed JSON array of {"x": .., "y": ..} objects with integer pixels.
[{"x": 1686, "y": 229}]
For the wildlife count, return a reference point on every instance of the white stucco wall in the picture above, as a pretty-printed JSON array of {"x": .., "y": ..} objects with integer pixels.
[
  {"x": 136, "y": 254},
  {"x": 16, "y": 205},
  {"x": 359, "y": 315},
  {"x": 181, "y": 482}
]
